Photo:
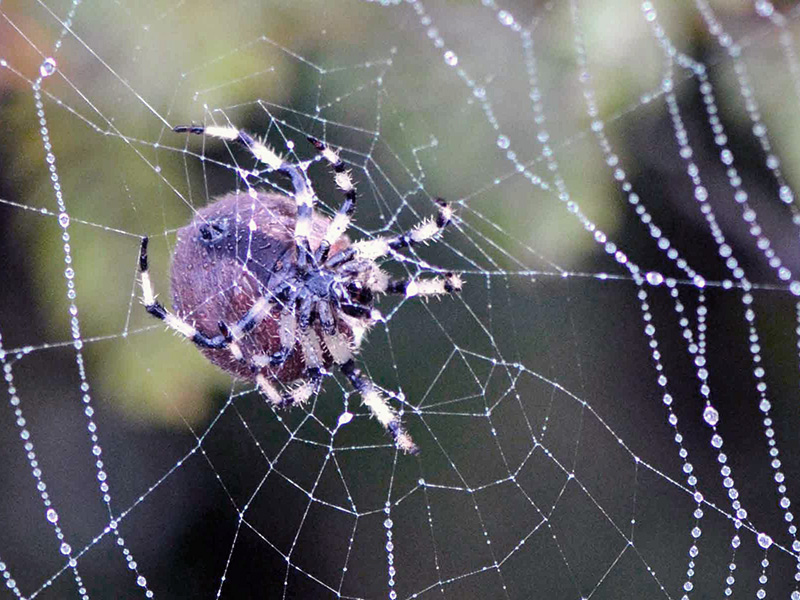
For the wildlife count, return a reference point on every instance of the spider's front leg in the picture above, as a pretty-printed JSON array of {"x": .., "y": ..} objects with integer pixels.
[
  {"x": 422, "y": 233},
  {"x": 344, "y": 182},
  {"x": 303, "y": 191},
  {"x": 450, "y": 283},
  {"x": 297, "y": 394}
]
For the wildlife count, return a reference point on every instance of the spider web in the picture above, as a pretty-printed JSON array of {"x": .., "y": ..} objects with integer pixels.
[{"x": 609, "y": 409}]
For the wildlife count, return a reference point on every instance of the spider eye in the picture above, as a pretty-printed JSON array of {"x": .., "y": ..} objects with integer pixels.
[{"x": 213, "y": 231}]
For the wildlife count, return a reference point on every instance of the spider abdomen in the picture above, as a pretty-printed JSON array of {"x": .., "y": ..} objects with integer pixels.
[{"x": 234, "y": 252}]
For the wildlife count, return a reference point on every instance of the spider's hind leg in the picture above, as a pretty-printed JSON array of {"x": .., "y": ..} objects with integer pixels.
[
  {"x": 379, "y": 407},
  {"x": 291, "y": 396},
  {"x": 174, "y": 322}
]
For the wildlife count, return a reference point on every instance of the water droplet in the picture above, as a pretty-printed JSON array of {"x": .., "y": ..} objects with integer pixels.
[
  {"x": 344, "y": 418},
  {"x": 52, "y": 515},
  {"x": 505, "y": 17},
  {"x": 765, "y": 9},
  {"x": 503, "y": 142},
  {"x": 711, "y": 415},
  {"x": 65, "y": 548},
  {"x": 48, "y": 67},
  {"x": 654, "y": 278},
  {"x": 450, "y": 58},
  {"x": 388, "y": 523},
  {"x": 63, "y": 220},
  {"x": 764, "y": 540}
]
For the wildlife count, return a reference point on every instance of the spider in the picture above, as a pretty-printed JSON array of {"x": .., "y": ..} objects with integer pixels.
[{"x": 275, "y": 293}]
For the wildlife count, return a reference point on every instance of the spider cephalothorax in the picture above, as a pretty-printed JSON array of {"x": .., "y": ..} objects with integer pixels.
[{"x": 275, "y": 293}]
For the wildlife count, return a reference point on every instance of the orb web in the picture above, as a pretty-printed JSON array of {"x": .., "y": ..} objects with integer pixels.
[{"x": 606, "y": 410}]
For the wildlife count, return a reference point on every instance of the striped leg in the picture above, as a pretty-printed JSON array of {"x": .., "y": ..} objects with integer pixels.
[
  {"x": 344, "y": 182},
  {"x": 258, "y": 149},
  {"x": 314, "y": 360},
  {"x": 435, "y": 286},
  {"x": 423, "y": 232},
  {"x": 379, "y": 407},
  {"x": 172, "y": 321},
  {"x": 297, "y": 394},
  {"x": 341, "y": 350},
  {"x": 303, "y": 191},
  {"x": 311, "y": 346}
]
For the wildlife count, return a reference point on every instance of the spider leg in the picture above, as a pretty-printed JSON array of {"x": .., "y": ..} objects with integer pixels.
[
  {"x": 356, "y": 310},
  {"x": 286, "y": 329},
  {"x": 269, "y": 390},
  {"x": 421, "y": 233},
  {"x": 247, "y": 323},
  {"x": 435, "y": 286},
  {"x": 259, "y": 151},
  {"x": 312, "y": 350},
  {"x": 344, "y": 182},
  {"x": 305, "y": 307},
  {"x": 303, "y": 191},
  {"x": 303, "y": 390},
  {"x": 379, "y": 407},
  {"x": 326, "y": 317},
  {"x": 297, "y": 394},
  {"x": 300, "y": 393},
  {"x": 172, "y": 321}
]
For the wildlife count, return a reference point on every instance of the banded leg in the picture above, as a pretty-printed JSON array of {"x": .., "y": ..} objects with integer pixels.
[
  {"x": 435, "y": 286},
  {"x": 303, "y": 191},
  {"x": 258, "y": 149},
  {"x": 297, "y": 394},
  {"x": 314, "y": 360},
  {"x": 423, "y": 232},
  {"x": 379, "y": 407},
  {"x": 172, "y": 321},
  {"x": 312, "y": 355},
  {"x": 286, "y": 331},
  {"x": 344, "y": 182},
  {"x": 326, "y": 318},
  {"x": 270, "y": 391}
]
